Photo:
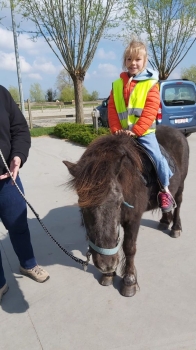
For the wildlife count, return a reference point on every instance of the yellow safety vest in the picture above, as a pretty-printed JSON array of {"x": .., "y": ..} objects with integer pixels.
[{"x": 130, "y": 115}]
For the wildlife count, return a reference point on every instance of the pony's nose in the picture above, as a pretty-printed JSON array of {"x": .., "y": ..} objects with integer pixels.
[{"x": 107, "y": 268}]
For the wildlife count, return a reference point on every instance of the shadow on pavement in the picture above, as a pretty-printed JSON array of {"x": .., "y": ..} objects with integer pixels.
[
  {"x": 154, "y": 224},
  {"x": 14, "y": 302},
  {"x": 64, "y": 224}
]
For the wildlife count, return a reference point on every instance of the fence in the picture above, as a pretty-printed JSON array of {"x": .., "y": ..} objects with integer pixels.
[
  {"x": 35, "y": 106},
  {"x": 56, "y": 104}
]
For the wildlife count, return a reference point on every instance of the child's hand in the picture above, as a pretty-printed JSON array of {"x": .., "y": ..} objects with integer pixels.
[
  {"x": 129, "y": 132},
  {"x": 118, "y": 132}
]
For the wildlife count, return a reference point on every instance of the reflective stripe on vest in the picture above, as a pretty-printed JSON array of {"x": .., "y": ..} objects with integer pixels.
[{"x": 129, "y": 116}]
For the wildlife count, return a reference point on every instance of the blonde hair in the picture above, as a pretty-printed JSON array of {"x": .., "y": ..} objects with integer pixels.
[{"x": 133, "y": 50}]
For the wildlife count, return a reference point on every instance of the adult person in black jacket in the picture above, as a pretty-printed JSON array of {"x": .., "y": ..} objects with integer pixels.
[{"x": 15, "y": 142}]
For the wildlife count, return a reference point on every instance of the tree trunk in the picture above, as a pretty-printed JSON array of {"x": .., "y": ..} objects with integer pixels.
[
  {"x": 78, "y": 85},
  {"x": 163, "y": 75}
]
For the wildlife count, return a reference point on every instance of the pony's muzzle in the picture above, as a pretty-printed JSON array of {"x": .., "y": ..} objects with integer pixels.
[{"x": 105, "y": 264}]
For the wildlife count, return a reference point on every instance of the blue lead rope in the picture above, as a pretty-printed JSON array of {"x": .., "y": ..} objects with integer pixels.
[{"x": 128, "y": 205}]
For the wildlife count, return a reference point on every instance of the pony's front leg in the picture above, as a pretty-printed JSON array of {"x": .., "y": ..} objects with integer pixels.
[{"x": 129, "y": 282}]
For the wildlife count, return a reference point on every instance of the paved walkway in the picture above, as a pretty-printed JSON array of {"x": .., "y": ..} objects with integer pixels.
[{"x": 72, "y": 311}]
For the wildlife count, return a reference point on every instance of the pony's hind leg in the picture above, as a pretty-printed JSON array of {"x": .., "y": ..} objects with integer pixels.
[
  {"x": 176, "y": 228},
  {"x": 165, "y": 221}
]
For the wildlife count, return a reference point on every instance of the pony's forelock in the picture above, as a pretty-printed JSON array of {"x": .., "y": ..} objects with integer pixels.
[{"x": 98, "y": 165}]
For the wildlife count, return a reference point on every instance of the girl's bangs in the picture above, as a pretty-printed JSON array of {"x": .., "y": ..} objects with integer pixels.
[{"x": 134, "y": 52}]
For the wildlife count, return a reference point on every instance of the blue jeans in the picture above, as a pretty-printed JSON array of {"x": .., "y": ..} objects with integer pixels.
[
  {"x": 163, "y": 170},
  {"x": 13, "y": 213}
]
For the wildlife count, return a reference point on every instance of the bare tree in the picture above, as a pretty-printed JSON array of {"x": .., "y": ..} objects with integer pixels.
[
  {"x": 72, "y": 29},
  {"x": 170, "y": 26},
  {"x": 2, "y": 5}
]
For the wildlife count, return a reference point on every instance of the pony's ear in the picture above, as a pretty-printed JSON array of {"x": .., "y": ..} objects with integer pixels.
[{"x": 72, "y": 167}]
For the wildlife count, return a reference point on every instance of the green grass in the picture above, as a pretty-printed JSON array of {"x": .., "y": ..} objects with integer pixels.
[{"x": 35, "y": 132}]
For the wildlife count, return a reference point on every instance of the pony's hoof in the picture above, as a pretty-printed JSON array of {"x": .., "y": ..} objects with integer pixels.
[
  {"x": 106, "y": 280},
  {"x": 175, "y": 233},
  {"x": 128, "y": 291}
]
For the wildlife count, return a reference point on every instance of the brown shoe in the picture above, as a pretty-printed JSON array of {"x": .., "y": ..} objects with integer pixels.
[
  {"x": 3, "y": 290},
  {"x": 36, "y": 273}
]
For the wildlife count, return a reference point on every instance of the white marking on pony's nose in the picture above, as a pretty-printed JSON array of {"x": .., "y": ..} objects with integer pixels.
[{"x": 104, "y": 268}]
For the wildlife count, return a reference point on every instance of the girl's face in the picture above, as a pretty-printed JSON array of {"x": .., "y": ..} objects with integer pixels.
[{"x": 136, "y": 64}]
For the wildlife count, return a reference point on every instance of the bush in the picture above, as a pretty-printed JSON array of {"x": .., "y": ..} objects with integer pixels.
[
  {"x": 83, "y": 138},
  {"x": 82, "y": 134}
]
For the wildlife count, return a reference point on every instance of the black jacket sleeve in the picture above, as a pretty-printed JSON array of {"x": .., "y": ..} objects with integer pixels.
[{"x": 20, "y": 139}]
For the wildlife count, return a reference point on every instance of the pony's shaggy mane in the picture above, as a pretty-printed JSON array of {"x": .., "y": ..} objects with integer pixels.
[{"x": 106, "y": 157}]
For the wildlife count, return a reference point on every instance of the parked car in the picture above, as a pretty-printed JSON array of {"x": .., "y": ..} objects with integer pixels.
[
  {"x": 177, "y": 107},
  {"x": 101, "y": 112}
]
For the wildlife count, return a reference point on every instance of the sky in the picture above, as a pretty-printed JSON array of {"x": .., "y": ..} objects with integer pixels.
[{"x": 39, "y": 64}]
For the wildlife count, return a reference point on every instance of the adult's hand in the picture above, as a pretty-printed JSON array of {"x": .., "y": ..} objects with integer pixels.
[{"x": 14, "y": 168}]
